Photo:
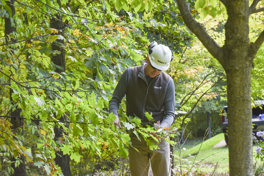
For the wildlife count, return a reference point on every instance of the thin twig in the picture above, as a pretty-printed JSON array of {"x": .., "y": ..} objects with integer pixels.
[
  {"x": 183, "y": 101},
  {"x": 189, "y": 113},
  {"x": 28, "y": 39}
]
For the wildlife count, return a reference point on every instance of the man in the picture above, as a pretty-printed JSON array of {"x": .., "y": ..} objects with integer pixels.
[{"x": 148, "y": 89}]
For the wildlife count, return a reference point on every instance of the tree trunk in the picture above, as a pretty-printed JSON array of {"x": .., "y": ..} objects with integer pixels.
[
  {"x": 16, "y": 120},
  {"x": 62, "y": 160},
  {"x": 238, "y": 66},
  {"x": 59, "y": 60},
  {"x": 239, "y": 120},
  {"x": 209, "y": 125}
]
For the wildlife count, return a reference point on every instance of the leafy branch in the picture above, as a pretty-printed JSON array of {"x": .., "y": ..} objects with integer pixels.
[
  {"x": 28, "y": 39},
  {"x": 201, "y": 33},
  {"x": 41, "y": 88},
  {"x": 197, "y": 101},
  {"x": 27, "y": 87},
  {"x": 189, "y": 95},
  {"x": 47, "y": 121}
]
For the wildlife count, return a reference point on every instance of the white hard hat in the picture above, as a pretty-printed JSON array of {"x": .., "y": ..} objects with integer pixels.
[{"x": 160, "y": 56}]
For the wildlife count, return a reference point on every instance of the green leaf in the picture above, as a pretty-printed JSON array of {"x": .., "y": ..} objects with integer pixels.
[
  {"x": 137, "y": 5},
  {"x": 125, "y": 138},
  {"x": 64, "y": 2},
  {"x": 77, "y": 130},
  {"x": 149, "y": 116},
  {"x": 66, "y": 149},
  {"x": 199, "y": 4},
  {"x": 136, "y": 120},
  {"x": 93, "y": 117},
  {"x": 76, "y": 84},
  {"x": 118, "y": 5},
  {"x": 76, "y": 157},
  {"x": 7, "y": 8},
  {"x": 92, "y": 100},
  {"x": 122, "y": 150}
]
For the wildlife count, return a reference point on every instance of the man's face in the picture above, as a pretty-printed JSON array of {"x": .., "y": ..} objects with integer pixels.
[{"x": 151, "y": 71}]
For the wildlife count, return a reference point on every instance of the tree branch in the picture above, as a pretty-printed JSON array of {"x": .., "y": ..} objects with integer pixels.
[
  {"x": 194, "y": 106},
  {"x": 253, "y": 6},
  {"x": 27, "y": 87},
  {"x": 257, "y": 10},
  {"x": 189, "y": 95},
  {"x": 200, "y": 32},
  {"x": 41, "y": 88},
  {"x": 47, "y": 121},
  {"x": 254, "y": 47},
  {"x": 28, "y": 39}
]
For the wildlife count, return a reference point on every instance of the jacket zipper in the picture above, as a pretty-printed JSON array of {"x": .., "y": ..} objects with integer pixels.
[{"x": 145, "y": 100}]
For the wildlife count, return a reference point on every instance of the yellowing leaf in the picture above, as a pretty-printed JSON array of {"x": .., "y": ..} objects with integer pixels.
[
  {"x": 54, "y": 31},
  {"x": 71, "y": 41},
  {"x": 82, "y": 146},
  {"x": 42, "y": 132},
  {"x": 29, "y": 45},
  {"x": 120, "y": 29},
  {"x": 77, "y": 32},
  {"x": 97, "y": 27},
  {"x": 9, "y": 61},
  {"x": 109, "y": 24},
  {"x": 105, "y": 145}
]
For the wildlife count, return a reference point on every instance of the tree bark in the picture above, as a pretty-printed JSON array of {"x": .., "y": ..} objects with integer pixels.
[
  {"x": 238, "y": 66},
  {"x": 209, "y": 125},
  {"x": 239, "y": 121},
  {"x": 59, "y": 60},
  {"x": 16, "y": 120}
]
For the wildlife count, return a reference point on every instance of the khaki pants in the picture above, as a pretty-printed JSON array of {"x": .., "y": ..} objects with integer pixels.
[{"x": 142, "y": 158}]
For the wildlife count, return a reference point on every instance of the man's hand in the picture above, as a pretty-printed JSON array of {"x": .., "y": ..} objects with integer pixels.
[
  {"x": 117, "y": 122},
  {"x": 158, "y": 129},
  {"x": 157, "y": 125}
]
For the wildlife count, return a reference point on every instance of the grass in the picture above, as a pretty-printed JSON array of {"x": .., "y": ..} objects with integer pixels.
[
  {"x": 204, "y": 145},
  {"x": 200, "y": 156}
]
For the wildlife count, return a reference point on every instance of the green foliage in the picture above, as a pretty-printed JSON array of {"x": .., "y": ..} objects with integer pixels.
[
  {"x": 257, "y": 76},
  {"x": 101, "y": 39},
  {"x": 209, "y": 7},
  {"x": 199, "y": 83}
]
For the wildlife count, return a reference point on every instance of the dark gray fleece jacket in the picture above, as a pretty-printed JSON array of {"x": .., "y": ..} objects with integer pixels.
[{"x": 156, "y": 96}]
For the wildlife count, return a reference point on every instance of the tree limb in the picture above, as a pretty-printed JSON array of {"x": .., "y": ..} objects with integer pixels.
[
  {"x": 257, "y": 10},
  {"x": 253, "y": 6},
  {"x": 189, "y": 95},
  {"x": 41, "y": 88},
  {"x": 253, "y": 49},
  {"x": 28, "y": 39},
  {"x": 200, "y": 32},
  {"x": 194, "y": 106}
]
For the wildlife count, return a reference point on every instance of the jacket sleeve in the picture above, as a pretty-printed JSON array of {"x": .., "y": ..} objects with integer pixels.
[
  {"x": 169, "y": 106},
  {"x": 118, "y": 94}
]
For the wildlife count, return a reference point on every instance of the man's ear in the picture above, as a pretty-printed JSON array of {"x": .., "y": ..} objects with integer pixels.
[{"x": 147, "y": 59}]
